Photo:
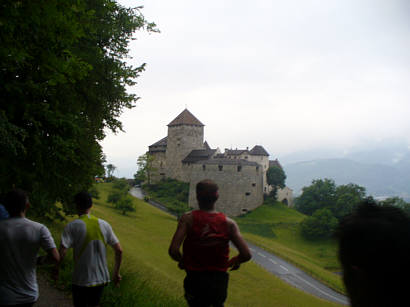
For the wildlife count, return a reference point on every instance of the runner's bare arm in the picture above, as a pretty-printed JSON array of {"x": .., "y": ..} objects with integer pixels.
[
  {"x": 240, "y": 244},
  {"x": 54, "y": 255},
  {"x": 62, "y": 251},
  {"x": 179, "y": 236},
  {"x": 118, "y": 259}
]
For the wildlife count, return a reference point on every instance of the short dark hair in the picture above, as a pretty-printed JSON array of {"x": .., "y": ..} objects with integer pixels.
[
  {"x": 374, "y": 250},
  {"x": 15, "y": 202},
  {"x": 83, "y": 200},
  {"x": 206, "y": 193}
]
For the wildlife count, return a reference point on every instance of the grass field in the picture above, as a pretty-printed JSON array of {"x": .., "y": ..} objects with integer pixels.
[
  {"x": 151, "y": 278},
  {"x": 275, "y": 227}
]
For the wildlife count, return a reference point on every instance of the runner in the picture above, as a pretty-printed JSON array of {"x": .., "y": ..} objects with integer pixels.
[{"x": 205, "y": 234}]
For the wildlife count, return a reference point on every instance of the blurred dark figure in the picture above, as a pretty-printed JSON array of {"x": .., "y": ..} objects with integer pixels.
[
  {"x": 374, "y": 250},
  {"x": 4, "y": 214}
]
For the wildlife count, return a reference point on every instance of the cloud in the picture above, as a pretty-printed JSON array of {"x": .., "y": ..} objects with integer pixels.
[{"x": 289, "y": 75}]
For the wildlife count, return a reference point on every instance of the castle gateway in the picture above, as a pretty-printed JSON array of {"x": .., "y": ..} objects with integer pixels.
[{"x": 239, "y": 173}]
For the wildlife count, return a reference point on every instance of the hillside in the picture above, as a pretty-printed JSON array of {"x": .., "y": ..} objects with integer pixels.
[
  {"x": 378, "y": 179},
  {"x": 148, "y": 271},
  {"x": 275, "y": 227}
]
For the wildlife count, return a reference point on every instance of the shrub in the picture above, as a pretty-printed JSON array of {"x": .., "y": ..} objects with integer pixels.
[
  {"x": 121, "y": 184},
  {"x": 320, "y": 225},
  {"x": 125, "y": 205},
  {"x": 114, "y": 196},
  {"x": 94, "y": 192}
]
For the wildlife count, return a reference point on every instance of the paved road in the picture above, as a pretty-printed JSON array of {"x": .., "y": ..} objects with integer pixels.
[{"x": 284, "y": 270}]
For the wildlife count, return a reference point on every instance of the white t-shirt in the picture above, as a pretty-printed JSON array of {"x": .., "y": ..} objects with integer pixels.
[
  {"x": 20, "y": 241},
  {"x": 90, "y": 265}
]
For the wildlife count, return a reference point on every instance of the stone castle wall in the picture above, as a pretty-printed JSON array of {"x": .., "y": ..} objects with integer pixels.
[
  {"x": 159, "y": 166},
  {"x": 239, "y": 192},
  {"x": 264, "y": 162},
  {"x": 182, "y": 140},
  {"x": 285, "y": 196}
]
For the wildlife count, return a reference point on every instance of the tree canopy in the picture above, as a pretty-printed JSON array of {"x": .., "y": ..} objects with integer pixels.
[
  {"x": 320, "y": 225},
  {"x": 275, "y": 176},
  {"x": 320, "y": 194},
  {"x": 145, "y": 169},
  {"x": 64, "y": 83},
  {"x": 324, "y": 194}
]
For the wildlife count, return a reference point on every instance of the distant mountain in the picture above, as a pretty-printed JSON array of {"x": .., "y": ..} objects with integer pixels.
[{"x": 378, "y": 179}]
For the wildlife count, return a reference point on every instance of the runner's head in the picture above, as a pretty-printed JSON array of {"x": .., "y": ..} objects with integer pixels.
[
  {"x": 206, "y": 194},
  {"x": 374, "y": 251},
  {"x": 83, "y": 201},
  {"x": 16, "y": 202}
]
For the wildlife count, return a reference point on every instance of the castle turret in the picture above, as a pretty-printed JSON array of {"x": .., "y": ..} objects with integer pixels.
[{"x": 185, "y": 133}]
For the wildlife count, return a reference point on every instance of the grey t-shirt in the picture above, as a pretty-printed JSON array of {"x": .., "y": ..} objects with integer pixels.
[
  {"x": 20, "y": 241},
  {"x": 90, "y": 268}
]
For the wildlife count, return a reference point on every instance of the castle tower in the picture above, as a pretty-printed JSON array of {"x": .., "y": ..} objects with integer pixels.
[{"x": 185, "y": 133}]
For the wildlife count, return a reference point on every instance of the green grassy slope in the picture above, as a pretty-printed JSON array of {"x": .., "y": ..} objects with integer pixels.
[
  {"x": 151, "y": 278},
  {"x": 275, "y": 228}
]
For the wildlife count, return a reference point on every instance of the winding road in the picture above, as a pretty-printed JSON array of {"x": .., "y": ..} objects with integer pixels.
[{"x": 279, "y": 267}]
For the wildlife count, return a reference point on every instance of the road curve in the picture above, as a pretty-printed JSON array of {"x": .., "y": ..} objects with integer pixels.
[{"x": 279, "y": 267}]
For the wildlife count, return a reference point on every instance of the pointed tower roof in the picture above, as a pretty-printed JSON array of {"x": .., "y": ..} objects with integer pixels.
[
  {"x": 185, "y": 118},
  {"x": 258, "y": 150}
]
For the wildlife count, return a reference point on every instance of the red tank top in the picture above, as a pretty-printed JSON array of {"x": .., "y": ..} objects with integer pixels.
[{"x": 206, "y": 246}]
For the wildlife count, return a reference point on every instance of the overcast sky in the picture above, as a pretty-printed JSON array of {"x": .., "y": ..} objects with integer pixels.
[{"x": 290, "y": 75}]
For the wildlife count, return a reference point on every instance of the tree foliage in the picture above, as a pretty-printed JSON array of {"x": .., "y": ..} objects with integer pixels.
[
  {"x": 121, "y": 184},
  {"x": 275, "y": 177},
  {"x": 320, "y": 194},
  {"x": 110, "y": 169},
  {"x": 94, "y": 192},
  {"x": 115, "y": 196},
  {"x": 320, "y": 225},
  {"x": 125, "y": 205},
  {"x": 397, "y": 202},
  {"x": 324, "y": 194},
  {"x": 145, "y": 168},
  {"x": 119, "y": 196},
  {"x": 63, "y": 84}
]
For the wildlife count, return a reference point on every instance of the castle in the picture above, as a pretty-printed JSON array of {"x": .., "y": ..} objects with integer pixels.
[{"x": 239, "y": 173}]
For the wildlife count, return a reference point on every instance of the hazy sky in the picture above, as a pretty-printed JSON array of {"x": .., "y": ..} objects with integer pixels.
[{"x": 288, "y": 75}]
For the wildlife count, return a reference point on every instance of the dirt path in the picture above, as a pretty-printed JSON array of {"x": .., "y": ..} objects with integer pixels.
[{"x": 49, "y": 295}]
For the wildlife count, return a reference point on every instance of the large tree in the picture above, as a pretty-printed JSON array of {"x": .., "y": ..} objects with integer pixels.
[
  {"x": 63, "y": 84},
  {"x": 145, "y": 168},
  {"x": 347, "y": 197},
  {"x": 324, "y": 194},
  {"x": 321, "y": 224},
  {"x": 320, "y": 194},
  {"x": 275, "y": 176}
]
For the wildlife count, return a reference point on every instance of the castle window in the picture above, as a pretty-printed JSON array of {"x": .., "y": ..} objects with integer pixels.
[
  {"x": 257, "y": 168},
  {"x": 162, "y": 174},
  {"x": 220, "y": 167},
  {"x": 239, "y": 168},
  {"x": 203, "y": 167},
  {"x": 244, "y": 210},
  {"x": 246, "y": 157},
  {"x": 254, "y": 184},
  {"x": 248, "y": 193}
]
